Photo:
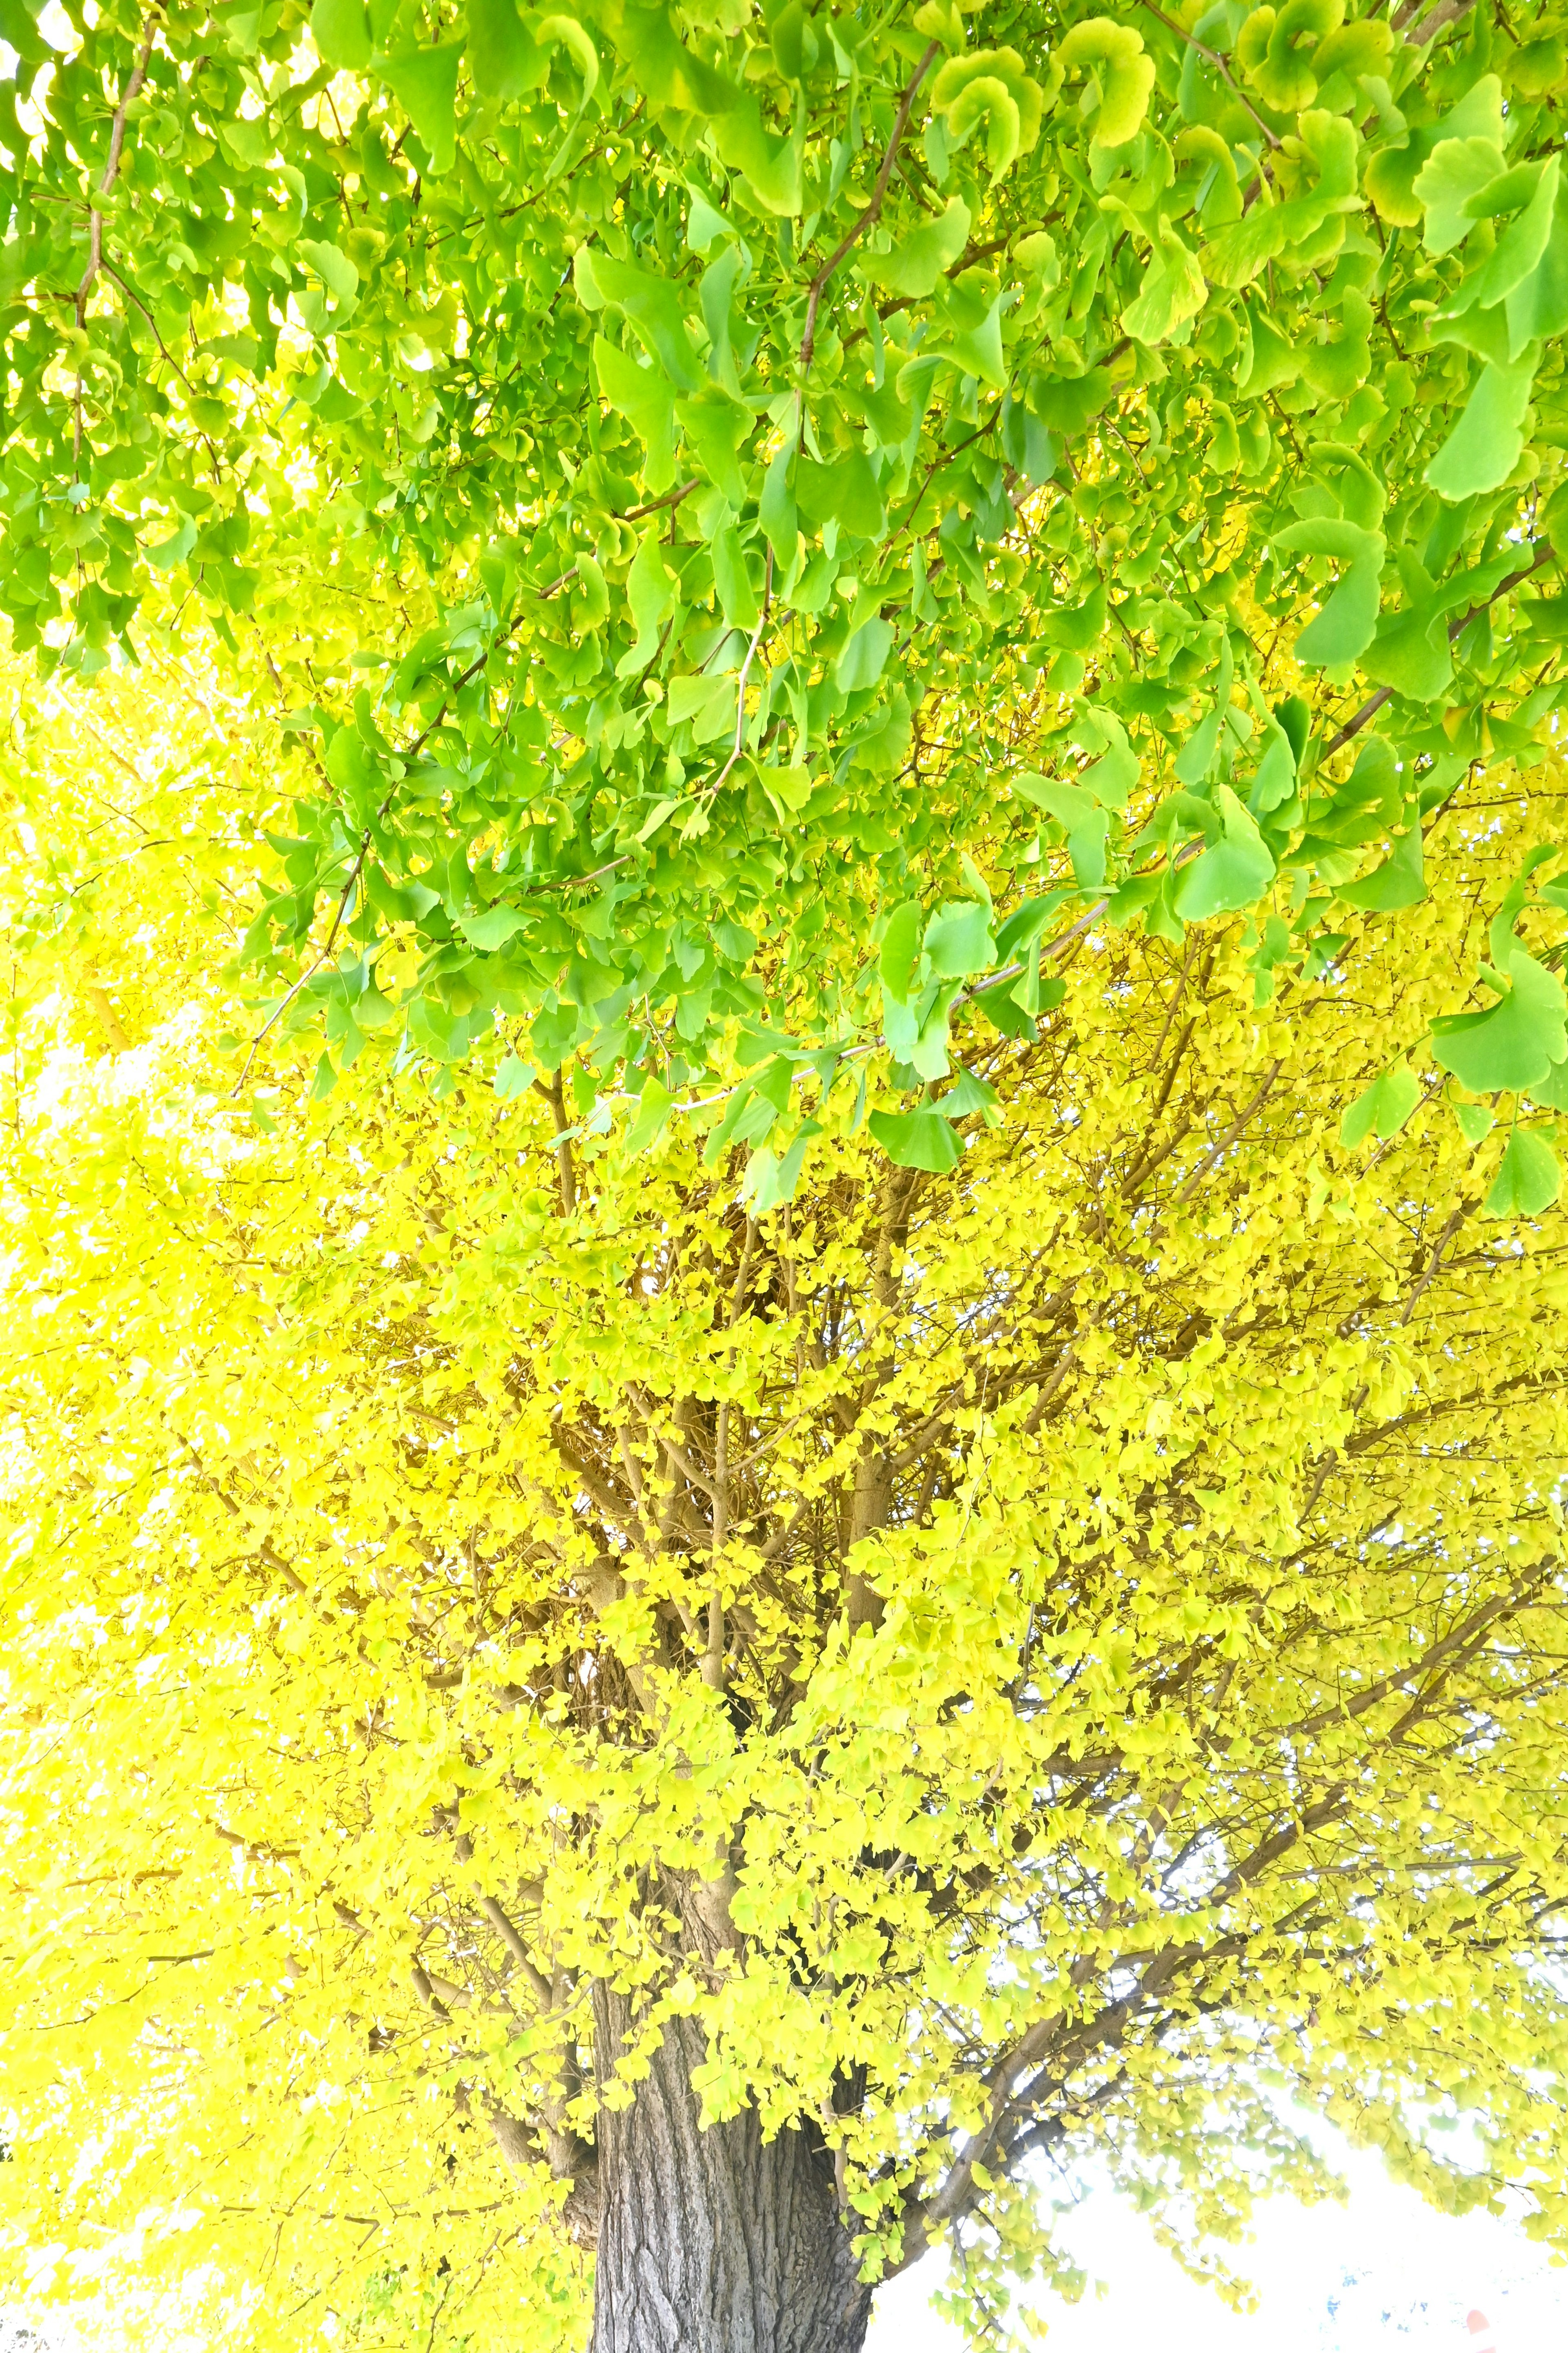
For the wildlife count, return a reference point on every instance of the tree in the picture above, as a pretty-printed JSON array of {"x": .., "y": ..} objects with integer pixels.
[
  {"x": 550, "y": 1705},
  {"x": 782, "y": 1372}
]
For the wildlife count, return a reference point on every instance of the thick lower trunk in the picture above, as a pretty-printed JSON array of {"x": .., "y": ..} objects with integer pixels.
[{"x": 714, "y": 2242}]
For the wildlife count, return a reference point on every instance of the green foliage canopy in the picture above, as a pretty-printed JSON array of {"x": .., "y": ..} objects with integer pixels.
[{"x": 775, "y": 424}]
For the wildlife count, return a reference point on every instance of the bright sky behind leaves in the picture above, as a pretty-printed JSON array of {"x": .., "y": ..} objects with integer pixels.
[{"x": 1382, "y": 2272}]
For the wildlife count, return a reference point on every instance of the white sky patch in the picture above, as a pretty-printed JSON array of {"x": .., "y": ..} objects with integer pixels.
[{"x": 1383, "y": 2274}]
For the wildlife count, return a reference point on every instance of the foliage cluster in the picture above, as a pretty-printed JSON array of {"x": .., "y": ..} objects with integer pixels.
[{"x": 1052, "y": 1658}]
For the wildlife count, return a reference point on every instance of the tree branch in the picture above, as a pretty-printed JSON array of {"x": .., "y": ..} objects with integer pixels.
[
  {"x": 565, "y": 1170},
  {"x": 1544, "y": 553},
  {"x": 868, "y": 219}
]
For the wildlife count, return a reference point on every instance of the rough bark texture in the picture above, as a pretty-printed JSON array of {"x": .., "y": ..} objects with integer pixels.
[{"x": 714, "y": 2242}]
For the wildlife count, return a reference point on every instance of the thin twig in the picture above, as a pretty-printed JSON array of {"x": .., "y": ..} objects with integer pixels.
[
  {"x": 868, "y": 219},
  {"x": 95, "y": 232},
  {"x": 1544, "y": 553},
  {"x": 1216, "y": 61},
  {"x": 741, "y": 685}
]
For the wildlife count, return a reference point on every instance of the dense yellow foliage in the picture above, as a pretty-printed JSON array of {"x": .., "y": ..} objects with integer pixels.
[{"x": 1060, "y": 1656}]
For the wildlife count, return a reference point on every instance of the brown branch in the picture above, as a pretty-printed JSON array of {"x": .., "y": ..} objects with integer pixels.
[
  {"x": 1456, "y": 1220},
  {"x": 636, "y": 514},
  {"x": 1228, "y": 1138},
  {"x": 539, "y": 1984},
  {"x": 1217, "y": 62},
  {"x": 738, "y": 744},
  {"x": 1462, "y": 1640},
  {"x": 867, "y": 219},
  {"x": 1544, "y": 553},
  {"x": 95, "y": 231},
  {"x": 1448, "y": 13},
  {"x": 566, "y": 1173}
]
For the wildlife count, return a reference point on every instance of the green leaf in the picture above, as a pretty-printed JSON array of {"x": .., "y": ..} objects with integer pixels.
[
  {"x": 1068, "y": 405},
  {"x": 650, "y": 592},
  {"x": 737, "y": 596},
  {"x": 974, "y": 350},
  {"x": 425, "y": 83},
  {"x": 773, "y": 167},
  {"x": 1112, "y": 777},
  {"x": 1399, "y": 882},
  {"x": 770, "y": 1181},
  {"x": 657, "y": 318},
  {"x": 714, "y": 428},
  {"x": 864, "y": 656},
  {"x": 645, "y": 398},
  {"x": 1410, "y": 653},
  {"x": 514, "y": 1077},
  {"x": 968, "y": 1094},
  {"x": 1520, "y": 249},
  {"x": 1026, "y": 922},
  {"x": 654, "y": 1107},
  {"x": 1455, "y": 170},
  {"x": 1551, "y": 1091},
  {"x": 1537, "y": 310},
  {"x": 1274, "y": 779},
  {"x": 1485, "y": 445},
  {"x": 845, "y": 492},
  {"x": 1235, "y": 873},
  {"x": 504, "y": 60},
  {"x": 958, "y": 939},
  {"x": 565, "y": 33},
  {"x": 900, "y": 950},
  {"x": 917, "y": 1139},
  {"x": 1514, "y": 1043},
  {"x": 1345, "y": 628},
  {"x": 1529, "y": 1179},
  {"x": 341, "y": 31},
  {"x": 1173, "y": 291},
  {"x": 776, "y": 511},
  {"x": 1081, "y": 817},
  {"x": 495, "y": 926},
  {"x": 708, "y": 700},
  {"x": 176, "y": 549},
  {"x": 924, "y": 256},
  {"x": 1476, "y": 1122},
  {"x": 1383, "y": 1108},
  {"x": 332, "y": 267},
  {"x": 553, "y": 1035}
]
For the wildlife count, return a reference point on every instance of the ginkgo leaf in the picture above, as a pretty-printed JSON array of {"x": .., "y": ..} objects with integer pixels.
[
  {"x": 1456, "y": 171},
  {"x": 1232, "y": 873},
  {"x": 1383, "y": 1108},
  {"x": 341, "y": 32},
  {"x": 914, "y": 265},
  {"x": 425, "y": 83},
  {"x": 1527, "y": 1180},
  {"x": 958, "y": 939},
  {"x": 1484, "y": 447},
  {"x": 917, "y": 1139},
  {"x": 1513, "y": 1043},
  {"x": 1124, "y": 75},
  {"x": 1399, "y": 882}
]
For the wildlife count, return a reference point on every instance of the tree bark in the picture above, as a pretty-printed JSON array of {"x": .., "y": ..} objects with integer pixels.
[{"x": 713, "y": 2241}]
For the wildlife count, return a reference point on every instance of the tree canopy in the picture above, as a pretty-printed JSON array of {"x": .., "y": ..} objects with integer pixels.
[
  {"x": 1054, "y": 1656},
  {"x": 783, "y": 1043},
  {"x": 670, "y": 465}
]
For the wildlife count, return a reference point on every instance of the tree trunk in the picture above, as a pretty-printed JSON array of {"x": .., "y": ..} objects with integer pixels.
[{"x": 713, "y": 2241}]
